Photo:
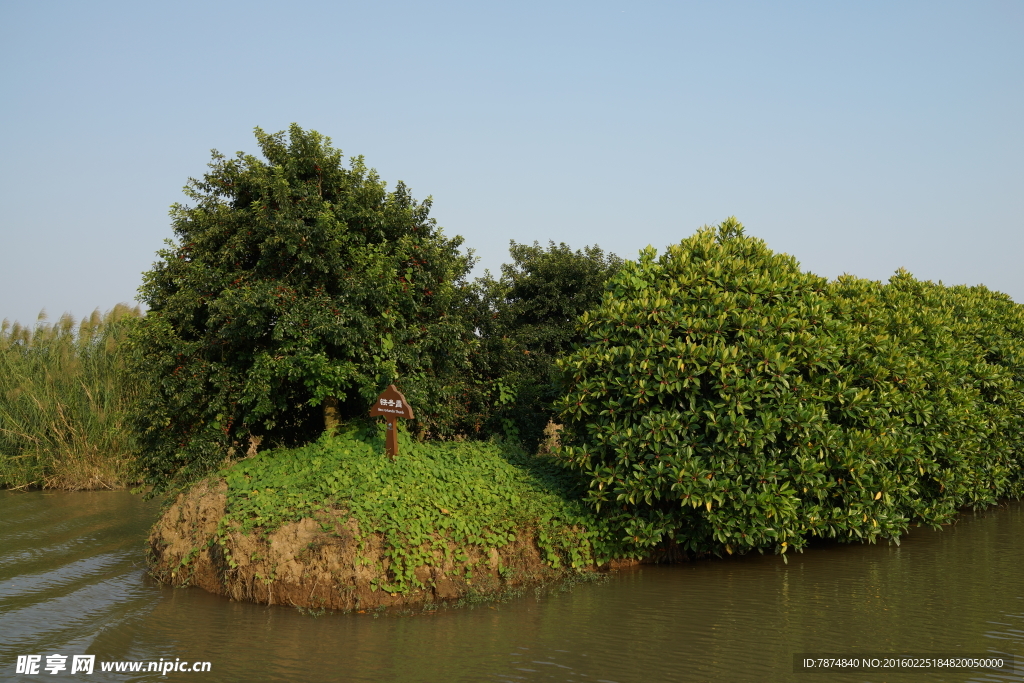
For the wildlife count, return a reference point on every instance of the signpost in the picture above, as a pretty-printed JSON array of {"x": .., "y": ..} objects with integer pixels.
[{"x": 392, "y": 405}]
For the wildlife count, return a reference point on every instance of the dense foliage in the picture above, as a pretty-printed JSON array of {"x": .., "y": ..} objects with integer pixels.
[
  {"x": 714, "y": 398},
  {"x": 725, "y": 401},
  {"x": 296, "y": 289},
  {"x": 64, "y": 403},
  {"x": 947, "y": 366},
  {"x": 529, "y": 321},
  {"x": 444, "y": 496}
]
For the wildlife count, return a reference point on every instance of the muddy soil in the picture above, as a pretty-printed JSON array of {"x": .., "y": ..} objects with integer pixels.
[{"x": 317, "y": 563}]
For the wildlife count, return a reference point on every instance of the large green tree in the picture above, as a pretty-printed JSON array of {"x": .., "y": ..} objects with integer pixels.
[
  {"x": 296, "y": 287},
  {"x": 530, "y": 320}
]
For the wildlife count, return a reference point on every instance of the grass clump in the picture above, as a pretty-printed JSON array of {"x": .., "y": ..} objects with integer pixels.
[
  {"x": 64, "y": 403},
  {"x": 433, "y": 504}
]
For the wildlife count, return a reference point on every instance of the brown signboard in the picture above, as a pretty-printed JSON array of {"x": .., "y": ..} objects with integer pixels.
[{"x": 392, "y": 405}]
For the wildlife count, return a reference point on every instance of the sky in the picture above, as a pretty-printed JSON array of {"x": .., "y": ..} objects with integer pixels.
[{"x": 858, "y": 137}]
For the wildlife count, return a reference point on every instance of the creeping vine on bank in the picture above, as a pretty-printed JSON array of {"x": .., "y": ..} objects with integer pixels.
[{"x": 436, "y": 501}]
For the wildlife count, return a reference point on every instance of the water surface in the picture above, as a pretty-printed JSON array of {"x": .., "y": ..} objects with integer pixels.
[{"x": 73, "y": 581}]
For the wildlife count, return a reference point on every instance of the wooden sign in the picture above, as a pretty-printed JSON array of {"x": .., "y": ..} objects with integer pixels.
[{"x": 392, "y": 405}]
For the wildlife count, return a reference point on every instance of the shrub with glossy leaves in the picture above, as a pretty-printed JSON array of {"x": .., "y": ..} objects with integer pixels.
[
  {"x": 947, "y": 363},
  {"x": 724, "y": 401}
]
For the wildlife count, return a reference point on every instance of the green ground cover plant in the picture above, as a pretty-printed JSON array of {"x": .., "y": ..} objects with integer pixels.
[
  {"x": 435, "y": 496},
  {"x": 64, "y": 405},
  {"x": 724, "y": 400}
]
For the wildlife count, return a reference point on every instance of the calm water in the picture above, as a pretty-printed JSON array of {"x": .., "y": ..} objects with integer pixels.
[{"x": 72, "y": 581}]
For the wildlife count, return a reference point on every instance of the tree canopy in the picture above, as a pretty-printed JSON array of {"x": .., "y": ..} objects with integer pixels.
[
  {"x": 295, "y": 286},
  {"x": 531, "y": 319}
]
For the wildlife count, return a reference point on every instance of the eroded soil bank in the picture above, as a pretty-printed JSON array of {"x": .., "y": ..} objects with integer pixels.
[{"x": 321, "y": 563}]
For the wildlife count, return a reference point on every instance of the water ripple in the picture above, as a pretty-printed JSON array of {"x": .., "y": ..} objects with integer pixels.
[{"x": 72, "y": 581}]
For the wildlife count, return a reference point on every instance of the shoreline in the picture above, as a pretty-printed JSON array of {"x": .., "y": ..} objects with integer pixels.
[{"x": 324, "y": 562}]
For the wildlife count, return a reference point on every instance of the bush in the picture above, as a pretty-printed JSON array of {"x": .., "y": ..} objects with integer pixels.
[
  {"x": 529, "y": 321},
  {"x": 725, "y": 401},
  {"x": 295, "y": 291},
  {"x": 956, "y": 391}
]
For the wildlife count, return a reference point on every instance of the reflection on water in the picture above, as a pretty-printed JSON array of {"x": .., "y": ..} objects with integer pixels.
[{"x": 72, "y": 581}]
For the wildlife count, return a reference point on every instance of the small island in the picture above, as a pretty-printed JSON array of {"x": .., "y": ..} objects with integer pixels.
[
  {"x": 715, "y": 399},
  {"x": 338, "y": 525}
]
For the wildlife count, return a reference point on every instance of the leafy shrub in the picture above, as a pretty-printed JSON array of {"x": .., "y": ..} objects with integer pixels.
[
  {"x": 725, "y": 401},
  {"x": 956, "y": 395},
  {"x": 296, "y": 289}
]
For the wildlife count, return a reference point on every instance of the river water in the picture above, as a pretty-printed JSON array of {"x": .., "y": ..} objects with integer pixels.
[{"x": 73, "y": 581}]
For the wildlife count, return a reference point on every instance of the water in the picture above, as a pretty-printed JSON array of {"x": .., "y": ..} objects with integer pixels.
[{"x": 73, "y": 581}]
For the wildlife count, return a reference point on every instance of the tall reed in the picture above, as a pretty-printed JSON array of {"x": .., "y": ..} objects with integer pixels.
[{"x": 64, "y": 401}]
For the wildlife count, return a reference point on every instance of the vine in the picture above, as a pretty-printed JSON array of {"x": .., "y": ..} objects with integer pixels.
[{"x": 437, "y": 501}]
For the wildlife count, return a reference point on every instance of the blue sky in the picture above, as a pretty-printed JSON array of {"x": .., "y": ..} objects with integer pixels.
[{"x": 859, "y": 137}]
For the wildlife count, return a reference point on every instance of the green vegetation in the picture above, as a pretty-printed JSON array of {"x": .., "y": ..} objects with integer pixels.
[
  {"x": 528, "y": 321},
  {"x": 63, "y": 404},
  {"x": 715, "y": 399},
  {"x": 725, "y": 401},
  {"x": 296, "y": 290},
  {"x": 436, "y": 499}
]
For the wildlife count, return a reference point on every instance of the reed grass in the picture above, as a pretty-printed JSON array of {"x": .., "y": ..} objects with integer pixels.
[{"x": 64, "y": 402}]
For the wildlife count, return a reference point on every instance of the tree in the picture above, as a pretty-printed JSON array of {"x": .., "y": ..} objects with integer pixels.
[
  {"x": 531, "y": 320},
  {"x": 295, "y": 290}
]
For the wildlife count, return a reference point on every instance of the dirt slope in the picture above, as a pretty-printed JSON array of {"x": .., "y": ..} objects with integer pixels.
[{"x": 318, "y": 563}]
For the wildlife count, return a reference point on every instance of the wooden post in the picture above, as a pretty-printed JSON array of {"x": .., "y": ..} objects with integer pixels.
[
  {"x": 391, "y": 441},
  {"x": 392, "y": 405},
  {"x": 331, "y": 414}
]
